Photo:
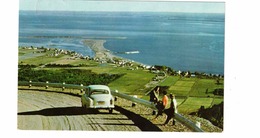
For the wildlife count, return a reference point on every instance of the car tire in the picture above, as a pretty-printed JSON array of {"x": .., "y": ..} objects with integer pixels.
[
  {"x": 83, "y": 105},
  {"x": 110, "y": 111}
]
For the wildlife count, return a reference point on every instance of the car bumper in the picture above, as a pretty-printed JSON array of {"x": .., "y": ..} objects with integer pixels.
[{"x": 102, "y": 107}]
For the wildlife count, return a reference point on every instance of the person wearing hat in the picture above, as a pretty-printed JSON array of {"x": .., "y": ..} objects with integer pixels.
[{"x": 171, "y": 110}]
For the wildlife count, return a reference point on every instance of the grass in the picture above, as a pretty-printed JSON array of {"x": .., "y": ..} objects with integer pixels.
[
  {"x": 40, "y": 60},
  {"x": 133, "y": 82},
  {"x": 180, "y": 100},
  {"x": 199, "y": 92},
  {"x": 205, "y": 87},
  {"x": 217, "y": 100},
  {"x": 22, "y": 52},
  {"x": 182, "y": 87},
  {"x": 170, "y": 80},
  {"x": 192, "y": 104},
  {"x": 80, "y": 61}
]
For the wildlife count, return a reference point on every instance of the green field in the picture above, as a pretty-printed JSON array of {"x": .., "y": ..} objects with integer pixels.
[
  {"x": 204, "y": 87},
  {"x": 191, "y": 93},
  {"x": 217, "y": 100},
  {"x": 169, "y": 81},
  {"x": 182, "y": 87},
  {"x": 192, "y": 104},
  {"x": 199, "y": 92}
]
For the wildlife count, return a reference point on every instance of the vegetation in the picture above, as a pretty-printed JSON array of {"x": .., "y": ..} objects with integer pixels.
[
  {"x": 66, "y": 65},
  {"x": 214, "y": 114},
  {"x": 192, "y": 104},
  {"x": 69, "y": 76},
  {"x": 192, "y": 90}
]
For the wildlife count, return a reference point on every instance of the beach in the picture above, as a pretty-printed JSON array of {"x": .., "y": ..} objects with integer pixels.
[{"x": 98, "y": 47}]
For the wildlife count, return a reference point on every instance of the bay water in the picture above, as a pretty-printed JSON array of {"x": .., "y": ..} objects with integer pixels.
[{"x": 182, "y": 41}]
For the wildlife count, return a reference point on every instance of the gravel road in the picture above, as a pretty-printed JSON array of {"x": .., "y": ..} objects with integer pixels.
[{"x": 55, "y": 111}]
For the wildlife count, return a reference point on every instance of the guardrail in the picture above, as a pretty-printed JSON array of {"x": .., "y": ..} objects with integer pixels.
[{"x": 146, "y": 103}]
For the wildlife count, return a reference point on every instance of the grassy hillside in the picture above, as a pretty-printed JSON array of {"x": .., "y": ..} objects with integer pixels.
[{"x": 191, "y": 92}]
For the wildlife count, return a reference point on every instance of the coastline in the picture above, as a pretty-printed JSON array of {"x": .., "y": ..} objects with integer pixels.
[
  {"x": 104, "y": 55},
  {"x": 98, "y": 47},
  {"x": 101, "y": 53}
]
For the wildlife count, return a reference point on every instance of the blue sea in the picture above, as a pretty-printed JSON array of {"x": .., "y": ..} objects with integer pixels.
[{"x": 182, "y": 41}]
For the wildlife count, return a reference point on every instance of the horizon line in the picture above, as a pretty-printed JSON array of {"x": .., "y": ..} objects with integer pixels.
[{"x": 123, "y": 11}]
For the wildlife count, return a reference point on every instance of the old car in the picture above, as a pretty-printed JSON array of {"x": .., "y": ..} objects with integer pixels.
[{"x": 98, "y": 97}]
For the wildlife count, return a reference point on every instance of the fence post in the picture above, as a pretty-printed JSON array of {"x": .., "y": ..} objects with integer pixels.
[
  {"x": 63, "y": 87},
  {"x": 46, "y": 85},
  {"x": 133, "y": 103},
  {"x": 30, "y": 85},
  {"x": 81, "y": 90}
]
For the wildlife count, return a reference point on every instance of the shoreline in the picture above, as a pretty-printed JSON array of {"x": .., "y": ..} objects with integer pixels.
[
  {"x": 101, "y": 53},
  {"x": 104, "y": 55},
  {"x": 98, "y": 47}
]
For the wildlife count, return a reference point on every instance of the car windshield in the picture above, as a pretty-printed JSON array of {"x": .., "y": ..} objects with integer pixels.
[{"x": 99, "y": 91}]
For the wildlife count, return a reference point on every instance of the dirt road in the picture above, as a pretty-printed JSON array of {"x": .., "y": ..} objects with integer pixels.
[{"x": 39, "y": 110}]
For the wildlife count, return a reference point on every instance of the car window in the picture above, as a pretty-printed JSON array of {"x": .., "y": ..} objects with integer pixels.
[{"x": 99, "y": 91}]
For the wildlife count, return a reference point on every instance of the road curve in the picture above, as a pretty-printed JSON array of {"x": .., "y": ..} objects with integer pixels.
[{"x": 39, "y": 110}]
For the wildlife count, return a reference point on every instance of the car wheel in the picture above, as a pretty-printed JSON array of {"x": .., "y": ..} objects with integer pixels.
[
  {"x": 83, "y": 105},
  {"x": 110, "y": 111}
]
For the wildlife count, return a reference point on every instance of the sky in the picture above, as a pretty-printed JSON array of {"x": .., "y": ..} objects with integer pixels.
[{"x": 123, "y": 5}]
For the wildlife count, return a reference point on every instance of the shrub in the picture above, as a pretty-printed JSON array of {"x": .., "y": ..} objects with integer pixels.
[{"x": 69, "y": 76}]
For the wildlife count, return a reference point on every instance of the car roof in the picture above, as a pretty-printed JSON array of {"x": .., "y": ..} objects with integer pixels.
[{"x": 98, "y": 87}]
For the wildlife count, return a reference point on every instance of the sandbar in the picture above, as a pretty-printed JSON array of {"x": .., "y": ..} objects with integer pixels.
[{"x": 98, "y": 47}]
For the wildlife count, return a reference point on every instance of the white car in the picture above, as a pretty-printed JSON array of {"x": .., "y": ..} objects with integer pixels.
[{"x": 98, "y": 97}]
